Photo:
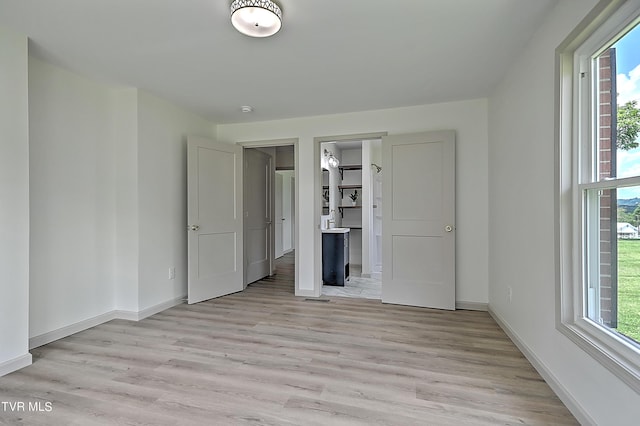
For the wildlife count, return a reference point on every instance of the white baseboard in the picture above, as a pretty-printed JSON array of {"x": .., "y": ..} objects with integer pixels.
[
  {"x": 152, "y": 310},
  {"x": 569, "y": 401},
  {"x": 126, "y": 315},
  {"x": 306, "y": 293},
  {"x": 60, "y": 333},
  {"x": 15, "y": 364},
  {"x": 472, "y": 306}
]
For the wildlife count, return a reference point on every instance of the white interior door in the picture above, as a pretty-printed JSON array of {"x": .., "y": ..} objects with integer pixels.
[
  {"x": 257, "y": 214},
  {"x": 418, "y": 228},
  {"x": 214, "y": 212},
  {"x": 279, "y": 216}
]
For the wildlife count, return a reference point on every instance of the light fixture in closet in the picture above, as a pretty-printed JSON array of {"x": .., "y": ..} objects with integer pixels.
[{"x": 256, "y": 18}]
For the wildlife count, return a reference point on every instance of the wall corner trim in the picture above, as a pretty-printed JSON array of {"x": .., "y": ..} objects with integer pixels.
[
  {"x": 15, "y": 364},
  {"x": 565, "y": 396}
]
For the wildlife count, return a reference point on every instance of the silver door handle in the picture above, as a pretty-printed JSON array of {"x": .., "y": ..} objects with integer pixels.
[
  {"x": 194, "y": 227},
  {"x": 448, "y": 228}
]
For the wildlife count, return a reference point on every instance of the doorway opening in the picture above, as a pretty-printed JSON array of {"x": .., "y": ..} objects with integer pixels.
[
  {"x": 269, "y": 214},
  {"x": 351, "y": 206}
]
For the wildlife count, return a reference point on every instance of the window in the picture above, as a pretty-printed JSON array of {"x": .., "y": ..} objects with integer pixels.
[{"x": 599, "y": 187}]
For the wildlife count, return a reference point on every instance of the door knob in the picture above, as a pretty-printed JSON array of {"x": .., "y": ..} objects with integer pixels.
[
  {"x": 448, "y": 228},
  {"x": 194, "y": 227}
]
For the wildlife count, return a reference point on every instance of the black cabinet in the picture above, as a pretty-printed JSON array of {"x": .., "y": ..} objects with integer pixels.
[{"x": 335, "y": 258}]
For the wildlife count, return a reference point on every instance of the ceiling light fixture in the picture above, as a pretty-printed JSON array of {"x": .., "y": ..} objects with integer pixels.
[{"x": 256, "y": 18}]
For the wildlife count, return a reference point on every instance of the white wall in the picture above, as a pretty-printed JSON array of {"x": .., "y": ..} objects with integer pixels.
[
  {"x": 108, "y": 190},
  {"x": 125, "y": 128},
  {"x": 14, "y": 203},
  {"x": 162, "y": 182},
  {"x": 351, "y": 156},
  {"x": 72, "y": 191},
  {"x": 467, "y": 118},
  {"x": 521, "y": 226}
]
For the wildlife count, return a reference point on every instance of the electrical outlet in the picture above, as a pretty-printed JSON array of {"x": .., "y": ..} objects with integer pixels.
[
  {"x": 509, "y": 293},
  {"x": 172, "y": 273}
]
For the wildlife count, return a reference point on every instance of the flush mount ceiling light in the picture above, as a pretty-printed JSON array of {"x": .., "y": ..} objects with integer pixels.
[{"x": 256, "y": 18}]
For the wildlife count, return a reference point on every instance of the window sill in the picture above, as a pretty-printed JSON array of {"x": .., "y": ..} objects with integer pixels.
[{"x": 609, "y": 352}]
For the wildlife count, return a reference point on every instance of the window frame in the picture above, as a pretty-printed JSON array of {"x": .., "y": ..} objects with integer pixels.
[{"x": 575, "y": 125}]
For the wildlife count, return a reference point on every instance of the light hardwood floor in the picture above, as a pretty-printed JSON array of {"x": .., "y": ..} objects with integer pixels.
[{"x": 266, "y": 357}]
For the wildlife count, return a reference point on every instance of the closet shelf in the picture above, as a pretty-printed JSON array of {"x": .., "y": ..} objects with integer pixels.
[
  {"x": 341, "y": 188},
  {"x": 341, "y": 169}
]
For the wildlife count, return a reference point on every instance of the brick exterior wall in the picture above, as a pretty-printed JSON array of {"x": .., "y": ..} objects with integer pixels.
[{"x": 608, "y": 199}]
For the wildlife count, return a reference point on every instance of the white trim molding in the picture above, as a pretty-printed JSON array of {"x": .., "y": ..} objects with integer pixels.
[
  {"x": 472, "y": 306},
  {"x": 306, "y": 293},
  {"x": 573, "y": 119},
  {"x": 152, "y": 310},
  {"x": 15, "y": 364},
  {"x": 68, "y": 330},
  {"x": 77, "y": 327},
  {"x": 567, "y": 399}
]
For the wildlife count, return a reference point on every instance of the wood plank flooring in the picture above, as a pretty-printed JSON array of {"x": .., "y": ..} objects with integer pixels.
[{"x": 265, "y": 357}]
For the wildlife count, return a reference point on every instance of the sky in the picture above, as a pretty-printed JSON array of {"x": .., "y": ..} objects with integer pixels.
[{"x": 628, "y": 88}]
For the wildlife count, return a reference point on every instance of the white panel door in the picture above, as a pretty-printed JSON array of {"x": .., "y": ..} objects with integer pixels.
[
  {"x": 279, "y": 216},
  {"x": 257, "y": 214},
  {"x": 418, "y": 228},
  {"x": 214, "y": 212}
]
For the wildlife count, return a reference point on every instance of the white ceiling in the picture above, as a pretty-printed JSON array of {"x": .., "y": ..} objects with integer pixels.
[{"x": 331, "y": 56}]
